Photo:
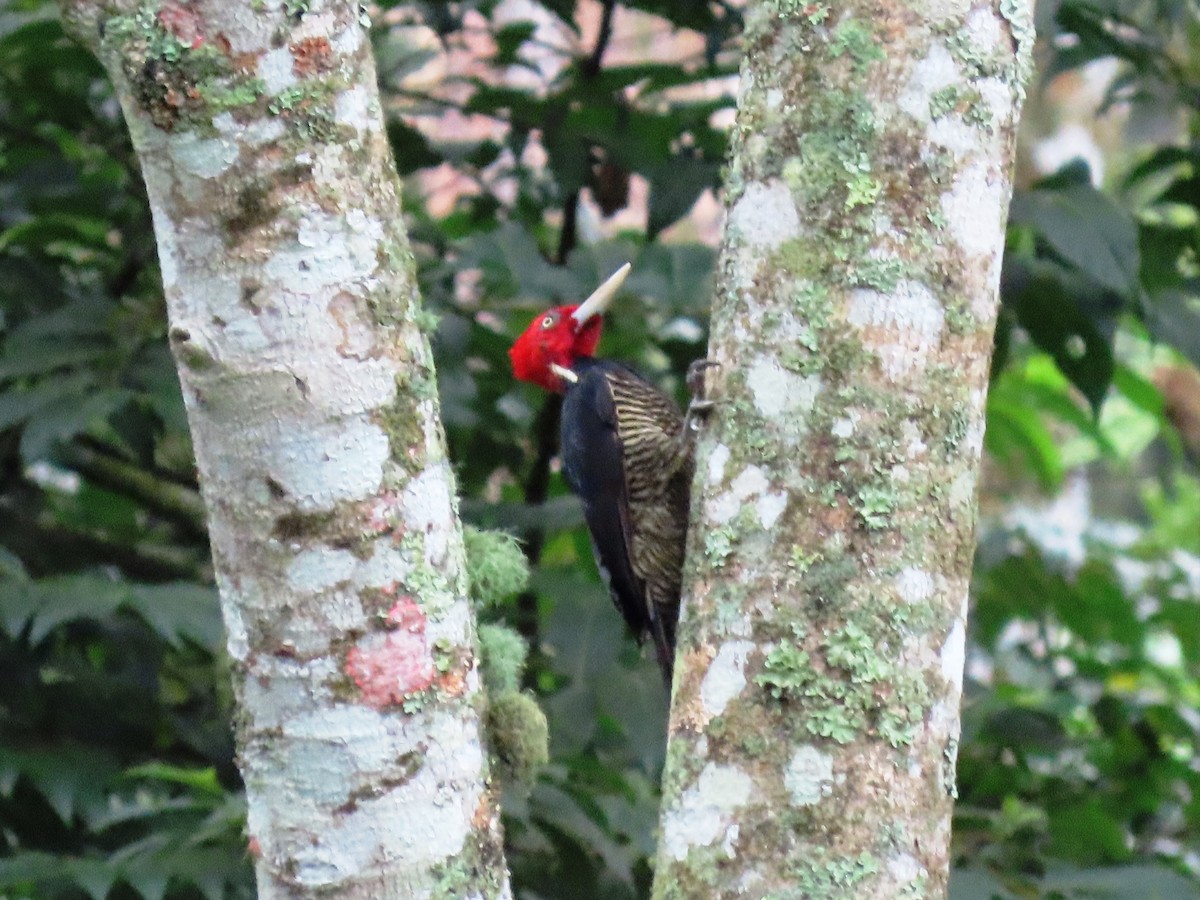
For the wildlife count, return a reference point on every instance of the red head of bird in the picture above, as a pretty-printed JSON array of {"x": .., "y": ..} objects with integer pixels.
[{"x": 543, "y": 354}]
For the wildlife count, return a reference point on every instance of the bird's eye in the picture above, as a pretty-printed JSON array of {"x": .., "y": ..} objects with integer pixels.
[{"x": 548, "y": 321}]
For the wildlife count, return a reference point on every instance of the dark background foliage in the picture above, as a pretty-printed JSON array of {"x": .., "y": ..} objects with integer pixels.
[{"x": 1079, "y": 760}]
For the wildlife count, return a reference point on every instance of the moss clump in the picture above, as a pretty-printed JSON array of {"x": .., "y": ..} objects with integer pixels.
[
  {"x": 520, "y": 736},
  {"x": 496, "y": 566},
  {"x": 502, "y": 655},
  {"x": 474, "y": 872}
]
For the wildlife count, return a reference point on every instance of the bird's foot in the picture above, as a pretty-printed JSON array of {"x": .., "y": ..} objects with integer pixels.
[{"x": 700, "y": 405}]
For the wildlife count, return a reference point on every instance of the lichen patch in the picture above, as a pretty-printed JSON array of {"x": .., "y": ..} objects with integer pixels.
[
  {"x": 809, "y": 776},
  {"x": 704, "y": 813},
  {"x": 903, "y": 327},
  {"x": 765, "y": 215},
  {"x": 777, "y": 391},
  {"x": 726, "y": 676},
  {"x": 391, "y": 666}
]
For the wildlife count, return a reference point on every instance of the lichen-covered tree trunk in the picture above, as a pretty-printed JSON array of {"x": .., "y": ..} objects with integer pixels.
[
  {"x": 815, "y": 717},
  {"x": 294, "y": 318}
]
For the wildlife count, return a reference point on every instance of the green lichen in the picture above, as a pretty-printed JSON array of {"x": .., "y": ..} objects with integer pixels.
[
  {"x": 475, "y": 872},
  {"x": 423, "y": 580},
  {"x": 401, "y": 419},
  {"x": 787, "y": 669},
  {"x": 699, "y": 876},
  {"x": 918, "y": 889},
  {"x": 821, "y": 874},
  {"x": 175, "y": 81},
  {"x": 682, "y": 768},
  {"x": 960, "y": 319},
  {"x": 843, "y": 130},
  {"x": 812, "y": 13},
  {"x": 875, "y": 503},
  {"x": 226, "y": 95},
  {"x": 718, "y": 544},
  {"x": 1019, "y": 16},
  {"x": 196, "y": 358},
  {"x": 943, "y": 102},
  {"x": 826, "y": 578},
  {"x": 881, "y": 274},
  {"x": 444, "y": 654},
  {"x": 854, "y": 38},
  {"x": 720, "y": 541},
  {"x": 858, "y": 688},
  {"x": 287, "y": 99},
  {"x": 861, "y": 188},
  {"x": 426, "y": 320},
  {"x": 802, "y": 559},
  {"x": 978, "y": 113},
  {"x": 309, "y": 106},
  {"x": 143, "y": 27}
]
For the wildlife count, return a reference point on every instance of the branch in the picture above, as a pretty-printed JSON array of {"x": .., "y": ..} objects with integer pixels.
[
  {"x": 591, "y": 65},
  {"x": 179, "y": 504}
]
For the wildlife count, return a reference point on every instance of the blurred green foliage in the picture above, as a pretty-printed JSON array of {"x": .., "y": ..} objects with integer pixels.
[{"x": 1080, "y": 758}]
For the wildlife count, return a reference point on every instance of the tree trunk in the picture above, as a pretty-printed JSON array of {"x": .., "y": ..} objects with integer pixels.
[
  {"x": 310, "y": 391},
  {"x": 815, "y": 719}
]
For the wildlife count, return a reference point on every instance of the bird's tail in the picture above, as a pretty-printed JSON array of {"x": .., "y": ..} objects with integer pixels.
[{"x": 663, "y": 633}]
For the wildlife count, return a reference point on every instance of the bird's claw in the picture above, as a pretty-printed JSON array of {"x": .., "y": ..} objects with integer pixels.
[
  {"x": 700, "y": 405},
  {"x": 695, "y": 377}
]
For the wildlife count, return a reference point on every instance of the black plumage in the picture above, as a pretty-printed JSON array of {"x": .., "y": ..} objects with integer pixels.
[{"x": 624, "y": 454}]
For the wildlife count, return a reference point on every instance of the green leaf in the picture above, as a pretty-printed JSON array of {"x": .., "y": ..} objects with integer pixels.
[
  {"x": 63, "y": 419},
  {"x": 1068, "y": 317},
  {"x": 201, "y": 780},
  {"x": 675, "y": 187},
  {"x": 41, "y": 606},
  {"x": 1173, "y": 316},
  {"x": 410, "y": 148},
  {"x": 509, "y": 40},
  {"x": 48, "y": 229},
  {"x": 11, "y": 567},
  {"x": 42, "y": 357},
  {"x": 180, "y": 612},
  {"x": 20, "y": 403},
  {"x": 1014, "y": 431},
  {"x": 1086, "y": 833},
  {"x": 73, "y": 779},
  {"x": 95, "y": 876},
  {"x": 1086, "y": 229}
]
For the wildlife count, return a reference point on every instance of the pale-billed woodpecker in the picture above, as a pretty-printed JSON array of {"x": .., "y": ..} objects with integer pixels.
[{"x": 627, "y": 455}]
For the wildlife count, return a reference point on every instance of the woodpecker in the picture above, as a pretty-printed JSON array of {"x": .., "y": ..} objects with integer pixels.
[{"x": 627, "y": 453}]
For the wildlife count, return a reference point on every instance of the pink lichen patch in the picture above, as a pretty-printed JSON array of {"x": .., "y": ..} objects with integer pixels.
[
  {"x": 182, "y": 22},
  {"x": 405, "y": 614},
  {"x": 389, "y": 668}
]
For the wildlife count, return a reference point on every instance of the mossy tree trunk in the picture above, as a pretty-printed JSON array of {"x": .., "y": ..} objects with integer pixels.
[
  {"x": 815, "y": 717},
  {"x": 294, "y": 319}
]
